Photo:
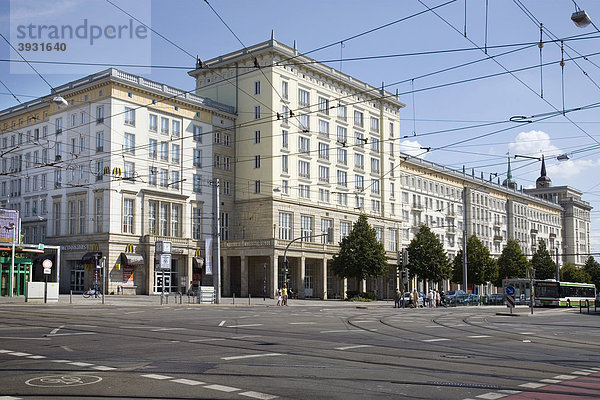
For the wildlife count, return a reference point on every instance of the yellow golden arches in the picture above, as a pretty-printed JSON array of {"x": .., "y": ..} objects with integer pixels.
[{"x": 130, "y": 248}]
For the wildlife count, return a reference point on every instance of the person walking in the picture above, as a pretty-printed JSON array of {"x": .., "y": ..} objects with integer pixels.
[
  {"x": 397, "y": 297},
  {"x": 279, "y": 297},
  {"x": 415, "y": 294},
  {"x": 284, "y": 295},
  {"x": 429, "y": 298}
]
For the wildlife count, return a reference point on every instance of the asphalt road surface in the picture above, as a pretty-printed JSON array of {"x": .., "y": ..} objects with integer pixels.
[{"x": 310, "y": 350}]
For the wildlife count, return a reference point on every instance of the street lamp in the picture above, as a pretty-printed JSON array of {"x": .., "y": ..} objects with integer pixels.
[{"x": 11, "y": 277}]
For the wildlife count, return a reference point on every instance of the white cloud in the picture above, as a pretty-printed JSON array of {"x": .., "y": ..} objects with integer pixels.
[
  {"x": 570, "y": 169},
  {"x": 412, "y": 148},
  {"x": 533, "y": 143}
]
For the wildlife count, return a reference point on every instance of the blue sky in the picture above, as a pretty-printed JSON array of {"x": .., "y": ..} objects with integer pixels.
[{"x": 438, "y": 103}]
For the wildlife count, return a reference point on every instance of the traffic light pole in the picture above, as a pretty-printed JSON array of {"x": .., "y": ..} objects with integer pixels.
[{"x": 329, "y": 235}]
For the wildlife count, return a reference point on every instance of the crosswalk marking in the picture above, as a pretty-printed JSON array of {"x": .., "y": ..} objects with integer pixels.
[{"x": 188, "y": 382}]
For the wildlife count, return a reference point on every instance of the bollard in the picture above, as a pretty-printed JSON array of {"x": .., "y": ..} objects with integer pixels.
[
  {"x": 102, "y": 297},
  {"x": 180, "y": 298},
  {"x": 71, "y": 297},
  {"x": 161, "y": 298}
]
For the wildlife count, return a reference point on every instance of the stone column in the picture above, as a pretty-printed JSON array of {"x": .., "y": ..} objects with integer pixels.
[
  {"x": 302, "y": 273},
  {"x": 226, "y": 278},
  {"x": 244, "y": 276},
  {"x": 344, "y": 288},
  {"x": 324, "y": 279},
  {"x": 274, "y": 261}
]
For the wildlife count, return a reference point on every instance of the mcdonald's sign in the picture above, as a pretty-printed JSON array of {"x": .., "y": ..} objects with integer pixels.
[{"x": 130, "y": 248}]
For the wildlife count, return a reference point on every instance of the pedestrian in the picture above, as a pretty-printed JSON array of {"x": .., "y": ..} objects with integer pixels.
[
  {"x": 415, "y": 298},
  {"x": 397, "y": 297},
  {"x": 279, "y": 297},
  {"x": 429, "y": 298},
  {"x": 434, "y": 298},
  {"x": 284, "y": 295}
]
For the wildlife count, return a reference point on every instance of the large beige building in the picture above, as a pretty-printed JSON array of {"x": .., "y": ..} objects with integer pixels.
[{"x": 125, "y": 162}]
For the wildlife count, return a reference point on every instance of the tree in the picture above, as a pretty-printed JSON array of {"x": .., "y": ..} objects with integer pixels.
[
  {"x": 592, "y": 267},
  {"x": 570, "y": 273},
  {"x": 360, "y": 255},
  {"x": 511, "y": 263},
  {"x": 481, "y": 268},
  {"x": 426, "y": 256},
  {"x": 542, "y": 262}
]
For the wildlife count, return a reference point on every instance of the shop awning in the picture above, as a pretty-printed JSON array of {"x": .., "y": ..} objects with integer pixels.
[
  {"x": 91, "y": 257},
  {"x": 197, "y": 262},
  {"x": 132, "y": 259}
]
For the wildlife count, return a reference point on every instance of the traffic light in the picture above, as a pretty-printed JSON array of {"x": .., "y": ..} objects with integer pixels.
[
  {"x": 400, "y": 257},
  {"x": 404, "y": 258},
  {"x": 405, "y": 274}
]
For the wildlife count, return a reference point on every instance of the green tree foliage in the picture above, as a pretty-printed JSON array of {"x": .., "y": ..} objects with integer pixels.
[
  {"x": 512, "y": 263},
  {"x": 481, "y": 267},
  {"x": 592, "y": 267},
  {"x": 360, "y": 255},
  {"x": 542, "y": 262},
  {"x": 427, "y": 258},
  {"x": 570, "y": 273}
]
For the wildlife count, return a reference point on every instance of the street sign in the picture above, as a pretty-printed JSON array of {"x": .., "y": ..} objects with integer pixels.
[
  {"x": 510, "y": 291},
  {"x": 510, "y": 301},
  {"x": 47, "y": 271},
  {"x": 165, "y": 262},
  {"x": 47, "y": 264}
]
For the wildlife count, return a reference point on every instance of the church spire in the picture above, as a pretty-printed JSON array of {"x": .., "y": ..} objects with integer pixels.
[
  {"x": 543, "y": 181},
  {"x": 509, "y": 182}
]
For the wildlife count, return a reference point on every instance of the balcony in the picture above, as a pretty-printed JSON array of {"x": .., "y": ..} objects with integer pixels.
[{"x": 498, "y": 238}]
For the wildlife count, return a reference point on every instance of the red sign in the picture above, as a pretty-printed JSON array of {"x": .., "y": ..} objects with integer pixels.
[{"x": 510, "y": 301}]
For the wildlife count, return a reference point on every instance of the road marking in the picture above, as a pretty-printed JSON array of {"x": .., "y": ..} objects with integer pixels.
[
  {"x": 550, "y": 380},
  {"x": 134, "y": 312},
  {"x": 532, "y": 385},
  {"x": 432, "y": 326},
  {"x": 526, "y": 341},
  {"x": 54, "y": 331},
  {"x": 222, "y": 388},
  {"x": 478, "y": 336},
  {"x": 302, "y": 323},
  {"x": 242, "y": 326},
  {"x": 491, "y": 396},
  {"x": 61, "y": 361},
  {"x": 81, "y": 364},
  {"x": 103, "y": 368},
  {"x": 72, "y": 334},
  {"x": 19, "y": 354},
  {"x": 526, "y": 333},
  {"x": 206, "y": 340},
  {"x": 188, "y": 382},
  {"x": 13, "y": 398},
  {"x": 23, "y": 338},
  {"x": 168, "y": 329},
  {"x": 366, "y": 320},
  {"x": 5, "y": 351},
  {"x": 36, "y": 357},
  {"x": 245, "y": 336},
  {"x": 222, "y": 323},
  {"x": 343, "y": 331},
  {"x": 156, "y": 376},
  {"x": 580, "y": 373},
  {"x": 258, "y": 395},
  {"x": 353, "y": 347},
  {"x": 434, "y": 340},
  {"x": 250, "y": 356},
  {"x": 509, "y": 391},
  {"x": 66, "y": 348},
  {"x": 563, "y": 377}
]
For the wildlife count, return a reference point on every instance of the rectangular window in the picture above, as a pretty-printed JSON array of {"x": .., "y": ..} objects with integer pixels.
[
  {"x": 304, "y": 122},
  {"x": 379, "y": 234},
  {"x": 323, "y": 174},
  {"x": 304, "y": 169},
  {"x": 303, "y": 144},
  {"x": 129, "y": 116},
  {"x": 128, "y": 170},
  {"x": 284, "y": 139},
  {"x": 391, "y": 129},
  {"x": 374, "y": 165},
  {"x": 197, "y": 184},
  {"x": 342, "y": 135},
  {"x": 284, "y": 163},
  {"x": 256, "y": 186},
  {"x": 391, "y": 149},
  {"x": 285, "y": 226},
  {"x": 197, "y": 133},
  {"x": 224, "y": 226},
  {"x": 342, "y": 112},
  {"x": 303, "y": 98},
  {"x": 196, "y": 223},
  {"x": 257, "y": 161},
  {"x": 257, "y": 87},
  {"x": 324, "y": 195},
  {"x": 256, "y": 112},
  {"x": 175, "y": 150},
  {"x": 176, "y": 128},
  {"x": 152, "y": 122},
  {"x": 284, "y": 114},
  {"x": 175, "y": 180},
  {"x": 359, "y": 139},
  {"x": 99, "y": 142},
  {"x": 163, "y": 219},
  {"x": 82, "y": 217},
  {"x": 152, "y": 172},
  {"x": 58, "y": 125},
  {"x": 358, "y": 119},
  {"x": 284, "y": 187},
  {"x": 323, "y": 128},
  {"x": 164, "y": 151},
  {"x": 100, "y": 114},
  {"x": 197, "y": 158},
  {"x": 176, "y": 220},
  {"x": 73, "y": 119},
  {"x": 72, "y": 217},
  {"x": 375, "y": 185},
  {"x": 342, "y": 156},
  {"x": 128, "y": 205},
  {"x": 323, "y": 105},
  {"x": 304, "y": 191},
  {"x": 152, "y": 214},
  {"x": 57, "y": 219},
  {"x": 374, "y": 124},
  {"x": 342, "y": 178},
  {"x": 344, "y": 229},
  {"x": 164, "y": 125},
  {"x": 256, "y": 137},
  {"x": 129, "y": 143},
  {"x": 307, "y": 226},
  {"x": 284, "y": 89},
  {"x": 359, "y": 182},
  {"x": 374, "y": 144},
  {"x": 164, "y": 178},
  {"x": 152, "y": 149},
  {"x": 323, "y": 151}
]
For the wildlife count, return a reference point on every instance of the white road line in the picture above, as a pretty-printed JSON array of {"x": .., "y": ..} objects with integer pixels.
[
  {"x": 250, "y": 356},
  {"x": 168, "y": 329},
  {"x": 206, "y": 340},
  {"x": 258, "y": 395},
  {"x": 23, "y": 338},
  {"x": 81, "y": 364},
  {"x": 242, "y": 326},
  {"x": 36, "y": 357},
  {"x": 54, "y": 331},
  {"x": 580, "y": 373},
  {"x": 435, "y": 340},
  {"x": 156, "y": 376},
  {"x": 509, "y": 391},
  {"x": 491, "y": 396},
  {"x": 532, "y": 385},
  {"x": 103, "y": 368},
  {"x": 563, "y": 377},
  {"x": 343, "y": 331},
  {"x": 222, "y": 323},
  {"x": 550, "y": 380},
  {"x": 65, "y": 348},
  {"x": 61, "y": 361},
  {"x": 478, "y": 336},
  {"x": 366, "y": 320},
  {"x": 73, "y": 334},
  {"x": 5, "y": 351},
  {"x": 245, "y": 336},
  {"x": 13, "y": 398},
  {"x": 222, "y": 388},
  {"x": 134, "y": 312},
  {"x": 432, "y": 326},
  {"x": 353, "y": 347},
  {"x": 85, "y": 326},
  {"x": 19, "y": 354},
  {"x": 302, "y": 323},
  {"x": 188, "y": 382},
  {"x": 526, "y": 333}
]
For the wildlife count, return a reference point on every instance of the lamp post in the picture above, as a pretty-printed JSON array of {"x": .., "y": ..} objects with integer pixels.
[{"x": 11, "y": 277}]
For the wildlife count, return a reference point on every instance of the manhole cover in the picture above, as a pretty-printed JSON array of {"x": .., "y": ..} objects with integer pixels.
[
  {"x": 63, "y": 380},
  {"x": 456, "y": 356}
]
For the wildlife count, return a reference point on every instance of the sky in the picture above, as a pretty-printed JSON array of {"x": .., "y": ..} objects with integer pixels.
[{"x": 464, "y": 71}]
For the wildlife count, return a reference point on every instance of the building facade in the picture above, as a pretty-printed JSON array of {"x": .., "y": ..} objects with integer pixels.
[{"x": 123, "y": 163}]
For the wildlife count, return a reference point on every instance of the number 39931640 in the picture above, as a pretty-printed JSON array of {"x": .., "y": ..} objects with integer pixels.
[{"x": 41, "y": 46}]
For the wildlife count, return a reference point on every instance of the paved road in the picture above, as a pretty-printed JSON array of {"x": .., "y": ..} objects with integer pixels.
[{"x": 138, "y": 349}]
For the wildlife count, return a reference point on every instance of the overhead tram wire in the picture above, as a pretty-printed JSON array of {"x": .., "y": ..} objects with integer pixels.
[{"x": 514, "y": 76}]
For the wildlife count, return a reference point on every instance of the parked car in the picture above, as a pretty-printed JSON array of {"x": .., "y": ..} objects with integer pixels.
[
  {"x": 420, "y": 301},
  {"x": 473, "y": 299},
  {"x": 496, "y": 299},
  {"x": 450, "y": 296}
]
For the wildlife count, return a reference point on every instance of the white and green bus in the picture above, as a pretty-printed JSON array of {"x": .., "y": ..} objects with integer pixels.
[{"x": 564, "y": 294}]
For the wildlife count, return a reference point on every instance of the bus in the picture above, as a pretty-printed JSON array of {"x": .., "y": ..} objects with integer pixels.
[{"x": 563, "y": 294}]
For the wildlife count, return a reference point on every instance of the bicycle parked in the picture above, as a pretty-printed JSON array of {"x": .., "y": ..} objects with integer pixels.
[{"x": 91, "y": 292}]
